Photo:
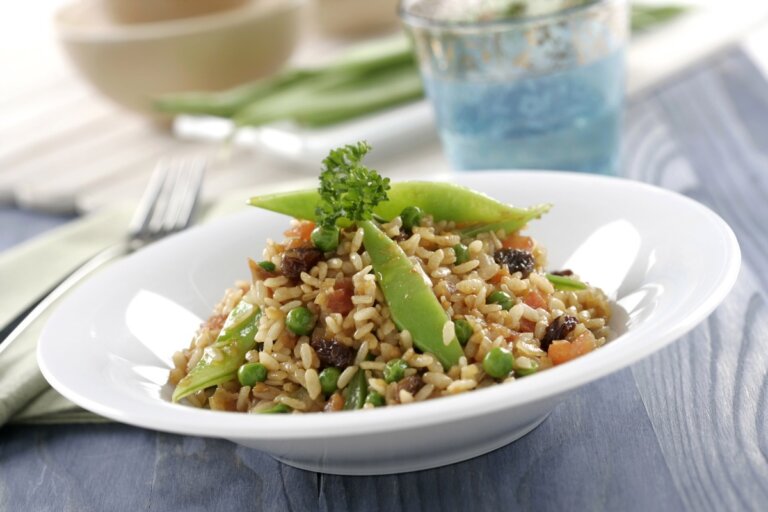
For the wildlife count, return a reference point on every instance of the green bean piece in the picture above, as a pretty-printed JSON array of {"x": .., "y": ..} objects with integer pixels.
[
  {"x": 330, "y": 98},
  {"x": 329, "y": 379},
  {"x": 463, "y": 330},
  {"x": 565, "y": 283},
  {"x": 462, "y": 253},
  {"x": 356, "y": 391},
  {"x": 325, "y": 238},
  {"x": 524, "y": 366},
  {"x": 268, "y": 266},
  {"x": 227, "y": 103},
  {"x": 411, "y": 217},
  {"x": 474, "y": 211},
  {"x": 251, "y": 373},
  {"x": 501, "y": 298},
  {"x": 221, "y": 360},
  {"x": 412, "y": 303},
  {"x": 300, "y": 321},
  {"x": 394, "y": 370},
  {"x": 375, "y": 398},
  {"x": 498, "y": 362},
  {"x": 275, "y": 409}
]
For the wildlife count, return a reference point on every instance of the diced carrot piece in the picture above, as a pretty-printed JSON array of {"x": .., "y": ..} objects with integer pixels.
[
  {"x": 302, "y": 230},
  {"x": 498, "y": 276},
  {"x": 515, "y": 241},
  {"x": 535, "y": 300},
  {"x": 560, "y": 352},
  {"x": 563, "y": 351},
  {"x": 526, "y": 325},
  {"x": 340, "y": 299}
]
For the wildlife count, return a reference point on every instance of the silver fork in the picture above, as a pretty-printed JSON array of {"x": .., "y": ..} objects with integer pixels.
[{"x": 167, "y": 206}]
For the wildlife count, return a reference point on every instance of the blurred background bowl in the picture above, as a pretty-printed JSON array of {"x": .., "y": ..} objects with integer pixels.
[
  {"x": 355, "y": 17},
  {"x": 134, "y": 63},
  {"x": 142, "y": 11}
]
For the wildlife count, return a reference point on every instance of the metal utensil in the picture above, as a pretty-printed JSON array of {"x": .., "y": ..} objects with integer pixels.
[{"x": 167, "y": 206}]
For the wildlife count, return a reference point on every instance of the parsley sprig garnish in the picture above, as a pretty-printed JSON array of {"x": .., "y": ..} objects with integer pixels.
[{"x": 348, "y": 189}]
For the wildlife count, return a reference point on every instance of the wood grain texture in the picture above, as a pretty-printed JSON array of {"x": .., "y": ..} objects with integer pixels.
[
  {"x": 685, "y": 429},
  {"x": 706, "y": 395}
]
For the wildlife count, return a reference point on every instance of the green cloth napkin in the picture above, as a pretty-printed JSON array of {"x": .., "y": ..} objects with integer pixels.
[{"x": 26, "y": 271}]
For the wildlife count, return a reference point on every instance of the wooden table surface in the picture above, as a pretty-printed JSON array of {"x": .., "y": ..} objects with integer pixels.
[{"x": 685, "y": 429}]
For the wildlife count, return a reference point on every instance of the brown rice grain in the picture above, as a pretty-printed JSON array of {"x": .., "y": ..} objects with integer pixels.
[
  {"x": 439, "y": 380},
  {"x": 243, "y": 400},
  {"x": 361, "y": 332},
  {"x": 313, "y": 383},
  {"x": 293, "y": 403},
  {"x": 346, "y": 376},
  {"x": 405, "y": 397},
  {"x": 372, "y": 365},
  {"x": 276, "y": 282},
  {"x": 362, "y": 353},
  {"x": 459, "y": 386},
  {"x": 307, "y": 355},
  {"x": 268, "y": 361},
  {"x": 424, "y": 392}
]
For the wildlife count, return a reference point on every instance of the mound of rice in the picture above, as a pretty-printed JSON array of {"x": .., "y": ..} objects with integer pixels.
[{"x": 361, "y": 320}]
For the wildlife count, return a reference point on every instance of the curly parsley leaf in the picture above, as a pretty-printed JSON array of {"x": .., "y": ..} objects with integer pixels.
[{"x": 348, "y": 189}]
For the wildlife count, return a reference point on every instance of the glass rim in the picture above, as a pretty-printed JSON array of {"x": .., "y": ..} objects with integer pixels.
[{"x": 415, "y": 20}]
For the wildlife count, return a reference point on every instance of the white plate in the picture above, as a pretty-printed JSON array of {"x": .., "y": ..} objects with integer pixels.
[{"x": 667, "y": 260}]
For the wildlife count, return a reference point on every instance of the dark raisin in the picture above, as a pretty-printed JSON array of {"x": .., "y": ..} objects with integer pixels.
[
  {"x": 516, "y": 260},
  {"x": 411, "y": 384},
  {"x": 331, "y": 352},
  {"x": 558, "y": 330},
  {"x": 565, "y": 272},
  {"x": 298, "y": 260},
  {"x": 400, "y": 237}
]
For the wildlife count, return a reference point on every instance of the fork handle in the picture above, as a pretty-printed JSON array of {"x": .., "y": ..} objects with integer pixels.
[{"x": 18, "y": 324}]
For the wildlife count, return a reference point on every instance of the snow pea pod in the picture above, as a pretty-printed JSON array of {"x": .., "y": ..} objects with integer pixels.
[
  {"x": 221, "y": 361},
  {"x": 411, "y": 301},
  {"x": 357, "y": 390},
  {"x": 473, "y": 211}
]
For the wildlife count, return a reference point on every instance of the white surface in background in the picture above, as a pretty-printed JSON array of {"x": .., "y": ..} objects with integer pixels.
[{"x": 64, "y": 148}]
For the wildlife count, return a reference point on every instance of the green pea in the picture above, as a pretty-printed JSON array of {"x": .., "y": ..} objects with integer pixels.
[
  {"x": 394, "y": 370},
  {"x": 498, "y": 362},
  {"x": 325, "y": 238},
  {"x": 501, "y": 298},
  {"x": 462, "y": 253},
  {"x": 251, "y": 373},
  {"x": 300, "y": 321},
  {"x": 374, "y": 398},
  {"x": 329, "y": 379},
  {"x": 411, "y": 216},
  {"x": 525, "y": 366},
  {"x": 463, "y": 330},
  {"x": 267, "y": 265}
]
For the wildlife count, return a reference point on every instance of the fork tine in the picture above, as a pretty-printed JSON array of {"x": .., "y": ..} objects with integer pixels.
[
  {"x": 189, "y": 206},
  {"x": 155, "y": 228},
  {"x": 146, "y": 206},
  {"x": 184, "y": 199}
]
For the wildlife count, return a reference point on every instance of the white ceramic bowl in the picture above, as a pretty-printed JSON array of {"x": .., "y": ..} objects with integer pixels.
[
  {"x": 667, "y": 261},
  {"x": 134, "y": 63}
]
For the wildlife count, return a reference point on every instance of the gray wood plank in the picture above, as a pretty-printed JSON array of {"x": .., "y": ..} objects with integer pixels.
[
  {"x": 121, "y": 468},
  {"x": 706, "y": 395},
  {"x": 596, "y": 451}
]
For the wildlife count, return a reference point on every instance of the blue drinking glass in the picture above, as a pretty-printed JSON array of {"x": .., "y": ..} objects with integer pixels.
[{"x": 535, "y": 92}]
